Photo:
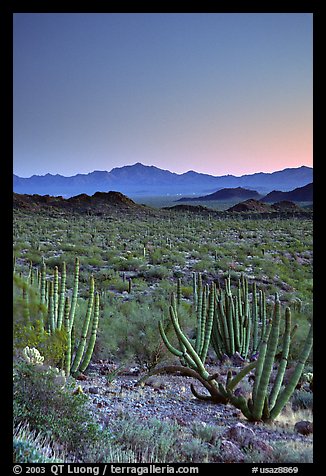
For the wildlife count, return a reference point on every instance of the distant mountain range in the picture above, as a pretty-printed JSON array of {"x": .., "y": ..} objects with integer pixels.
[
  {"x": 300, "y": 194},
  {"x": 141, "y": 180},
  {"x": 225, "y": 194}
]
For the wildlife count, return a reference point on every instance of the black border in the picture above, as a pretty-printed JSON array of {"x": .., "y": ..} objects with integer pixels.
[{"x": 7, "y": 10}]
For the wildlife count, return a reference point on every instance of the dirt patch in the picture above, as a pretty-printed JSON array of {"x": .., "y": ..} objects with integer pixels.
[{"x": 168, "y": 398}]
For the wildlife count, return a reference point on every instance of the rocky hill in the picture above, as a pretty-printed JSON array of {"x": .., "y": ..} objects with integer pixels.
[
  {"x": 286, "y": 205},
  {"x": 252, "y": 205},
  {"x": 224, "y": 194},
  {"x": 189, "y": 208},
  {"x": 100, "y": 202},
  {"x": 300, "y": 194}
]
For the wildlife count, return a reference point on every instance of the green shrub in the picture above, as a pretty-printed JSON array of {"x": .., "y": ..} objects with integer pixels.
[
  {"x": 155, "y": 272},
  {"x": 302, "y": 400},
  {"x": 51, "y": 346},
  {"x": 152, "y": 439},
  {"x": 129, "y": 330},
  {"x": 44, "y": 402}
]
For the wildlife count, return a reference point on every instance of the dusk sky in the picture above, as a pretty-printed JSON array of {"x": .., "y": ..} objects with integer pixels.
[{"x": 215, "y": 93}]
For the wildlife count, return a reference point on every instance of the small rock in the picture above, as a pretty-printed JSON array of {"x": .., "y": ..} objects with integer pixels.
[
  {"x": 230, "y": 452},
  {"x": 155, "y": 383},
  {"x": 245, "y": 437},
  {"x": 237, "y": 359},
  {"x": 93, "y": 390},
  {"x": 131, "y": 371},
  {"x": 304, "y": 427},
  {"x": 81, "y": 377},
  {"x": 225, "y": 358},
  {"x": 239, "y": 433},
  {"x": 262, "y": 446},
  {"x": 251, "y": 377},
  {"x": 91, "y": 367}
]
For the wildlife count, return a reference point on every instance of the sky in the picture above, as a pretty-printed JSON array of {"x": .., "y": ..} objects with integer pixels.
[{"x": 215, "y": 93}]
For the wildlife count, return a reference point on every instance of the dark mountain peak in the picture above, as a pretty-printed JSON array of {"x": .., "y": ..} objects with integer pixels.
[
  {"x": 299, "y": 194},
  {"x": 82, "y": 197},
  {"x": 225, "y": 194},
  {"x": 115, "y": 198},
  {"x": 138, "y": 166},
  {"x": 250, "y": 205},
  {"x": 98, "y": 172}
]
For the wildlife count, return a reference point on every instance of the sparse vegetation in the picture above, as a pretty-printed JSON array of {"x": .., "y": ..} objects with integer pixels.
[{"x": 138, "y": 259}]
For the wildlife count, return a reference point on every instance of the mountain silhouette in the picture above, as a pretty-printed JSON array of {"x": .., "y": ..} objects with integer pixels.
[
  {"x": 226, "y": 194},
  {"x": 140, "y": 180},
  {"x": 300, "y": 194}
]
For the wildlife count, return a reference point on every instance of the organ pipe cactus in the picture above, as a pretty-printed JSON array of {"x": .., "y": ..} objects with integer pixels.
[
  {"x": 207, "y": 325},
  {"x": 179, "y": 291},
  {"x": 82, "y": 357},
  {"x": 51, "y": 323},
  {"x": 75, "y": 293},
  {"x": 194, "y": 360},
  {"x": 194, "y": 289},
  {"x": 261, "y": 406},
  {"x": 61, "y": 314},
  {"x": 284, "y": 395},
  {"x": 82, "y": 343},
  {"x": 68, "y": 330},
  {"x": 92, "y": 339},
  {"x": 43, "y": 283},
  {"x": 26, "y": 313},
  {"x": 55, "y": 294},
  {"x": 62, "y": 296},
  {"x": 238, "y": 324}
]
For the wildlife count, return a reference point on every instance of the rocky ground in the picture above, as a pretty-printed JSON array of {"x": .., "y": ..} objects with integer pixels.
[{"x": 168, "y": 398}]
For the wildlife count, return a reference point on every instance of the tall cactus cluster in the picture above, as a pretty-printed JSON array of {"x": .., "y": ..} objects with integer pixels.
[
  {"x": 266, "y": 401},
  {"x": 193, "y": 356},
  {"x": 233, "y": 321},
  {"x": 60, "y": 311}
]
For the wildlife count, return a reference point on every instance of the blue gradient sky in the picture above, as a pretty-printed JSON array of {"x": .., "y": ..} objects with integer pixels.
[{"x": 216, "y": 93}]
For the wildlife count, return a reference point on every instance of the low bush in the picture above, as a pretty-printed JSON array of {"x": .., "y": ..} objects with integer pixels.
[
  {"x": 48, "y": 405},
  {"x": 129, "y": 330},
  {"x": 302, "y": 400}
]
